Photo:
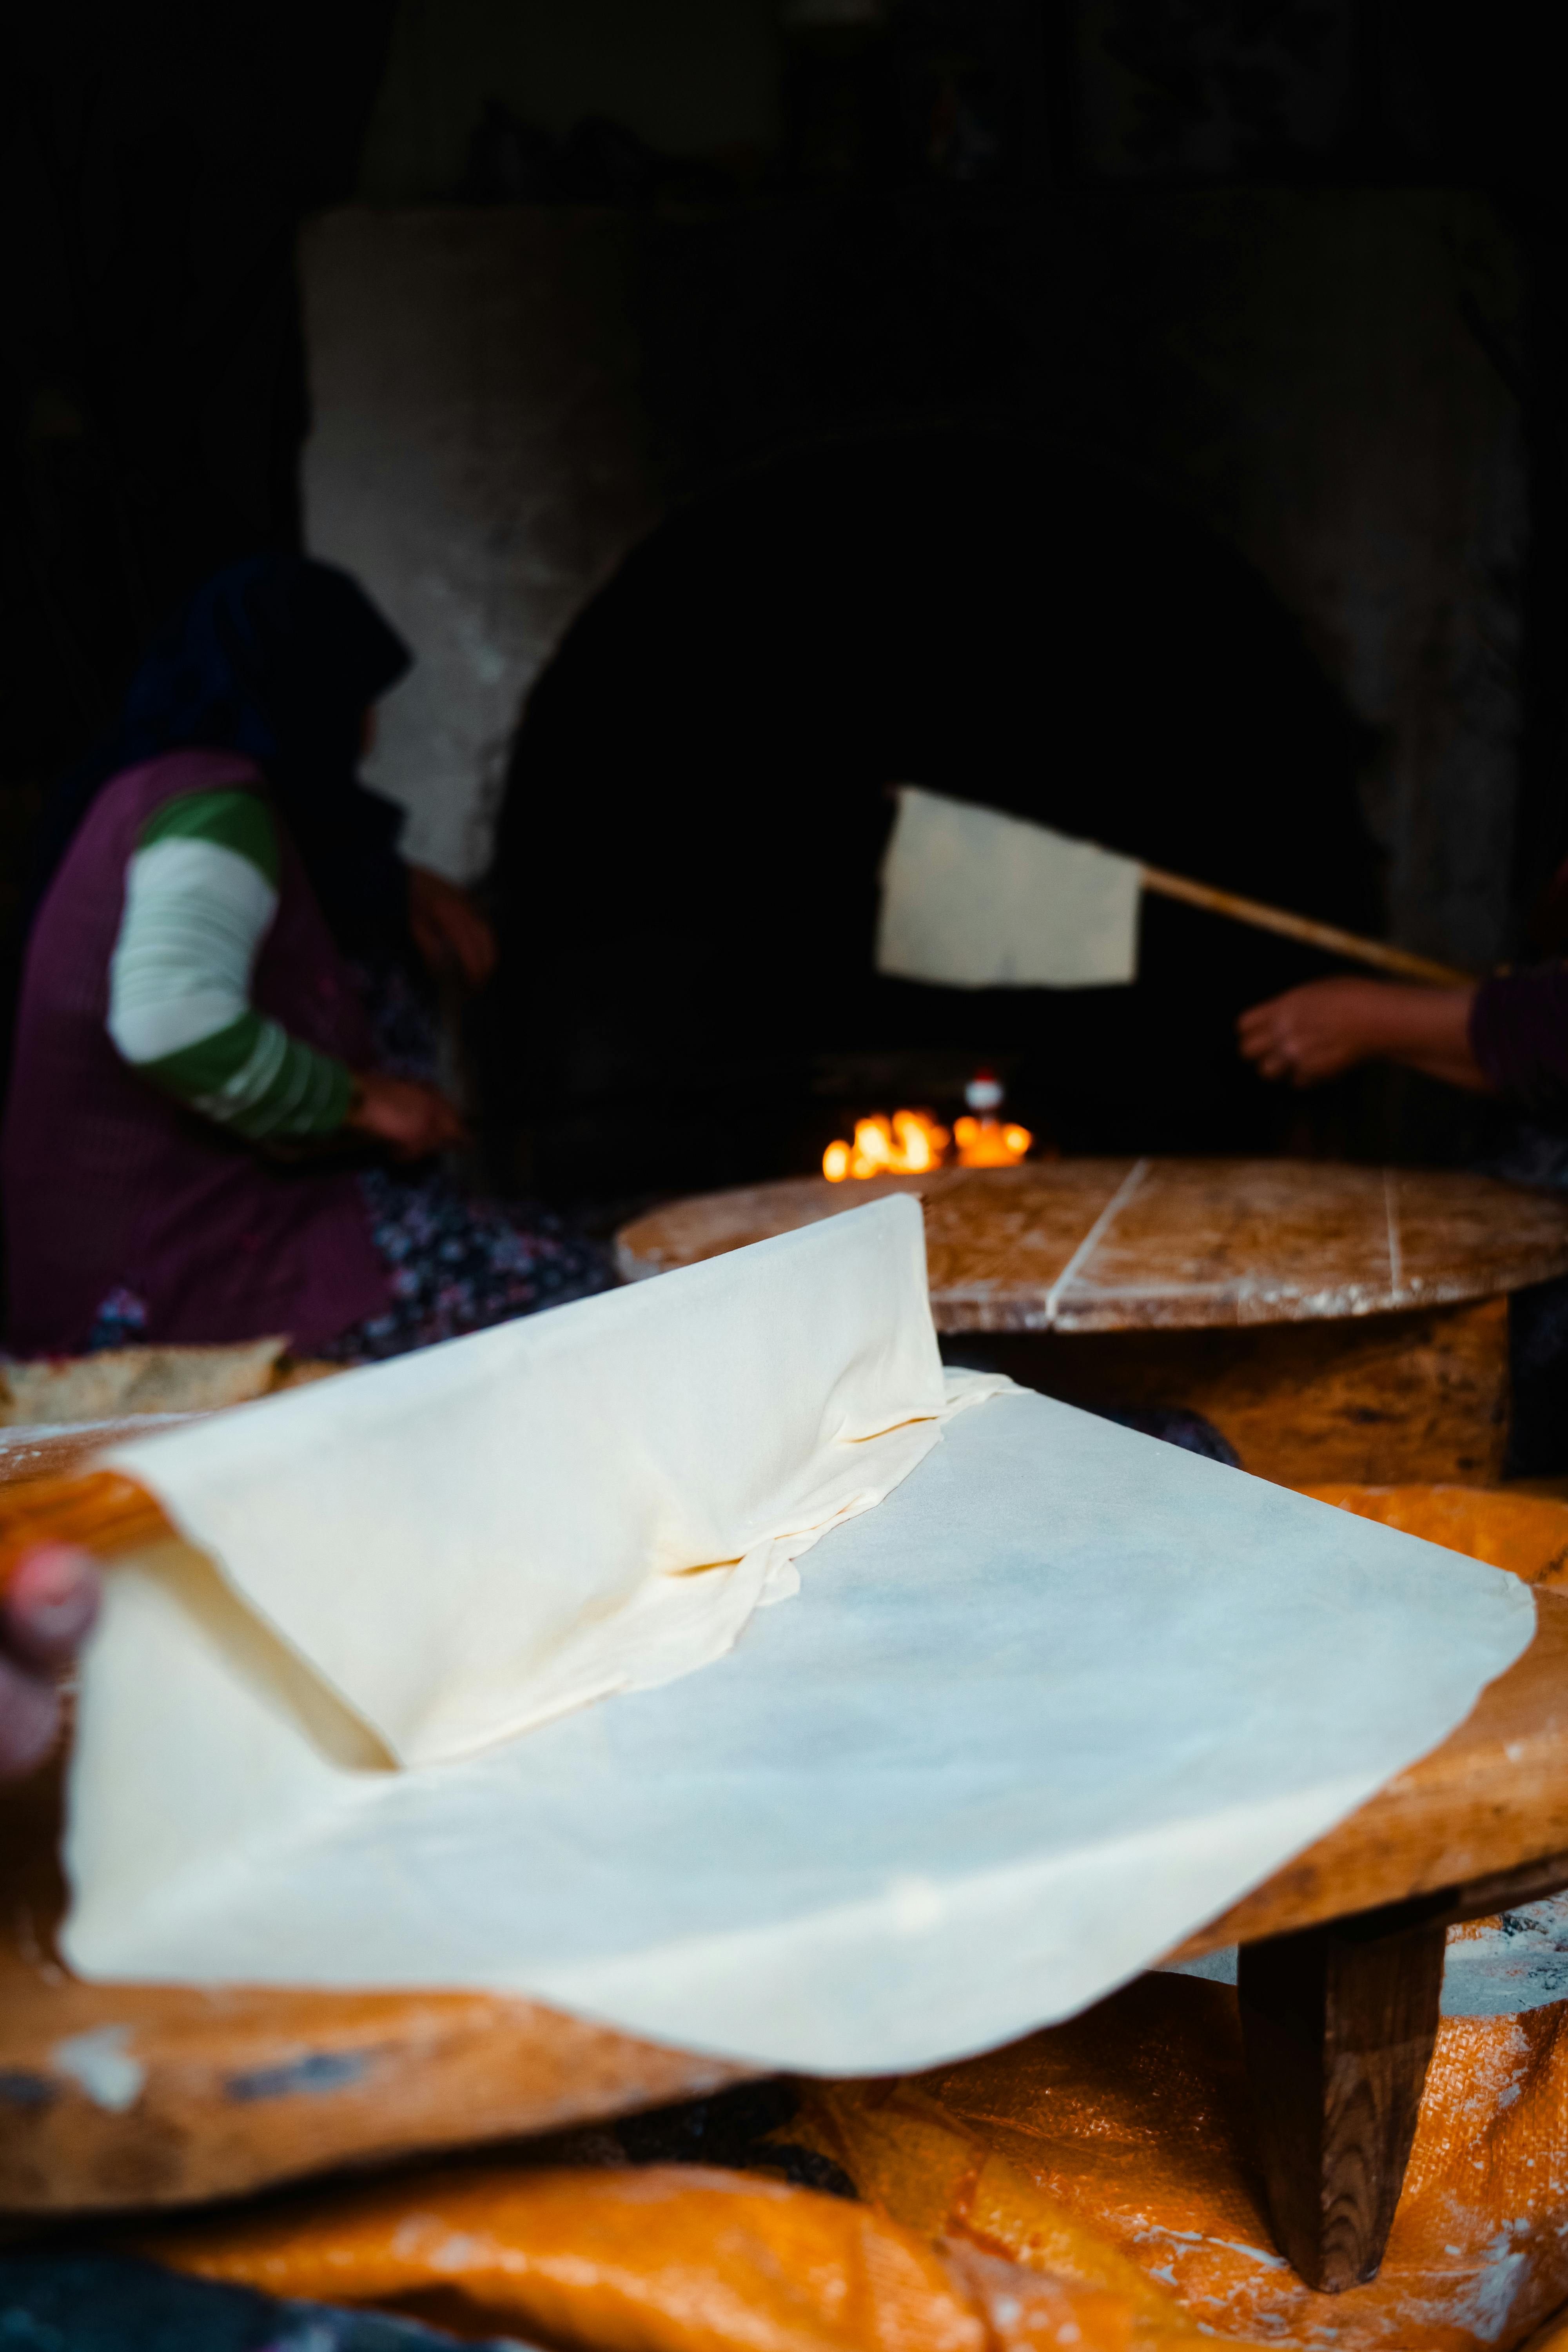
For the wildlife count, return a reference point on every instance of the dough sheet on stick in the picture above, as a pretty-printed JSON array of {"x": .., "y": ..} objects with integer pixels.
[
  {"x": 971, "y": 898},
  {"x": 1061, "y": 1696}
]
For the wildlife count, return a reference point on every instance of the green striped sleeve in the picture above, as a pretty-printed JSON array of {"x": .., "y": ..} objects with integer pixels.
[
  {"x": 201, "y": 895},
  {"x": 256, "y": 1078},
  {"x": 238, "y": 821}
]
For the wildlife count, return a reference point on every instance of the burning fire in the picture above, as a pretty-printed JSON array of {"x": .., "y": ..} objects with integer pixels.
[
  {"x": 912, "y": 1141},
  {"x": 990, "y": 1142},
  {"x": 905, "y": 1145}
]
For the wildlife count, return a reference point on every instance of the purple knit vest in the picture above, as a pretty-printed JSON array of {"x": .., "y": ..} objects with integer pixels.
[{"x": 111, "y": 1184}]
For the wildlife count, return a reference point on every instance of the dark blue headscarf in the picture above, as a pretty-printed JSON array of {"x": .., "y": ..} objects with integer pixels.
[{"x": 278, "y": 658}]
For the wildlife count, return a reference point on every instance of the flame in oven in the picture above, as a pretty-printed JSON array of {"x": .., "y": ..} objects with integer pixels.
[{"x": 912, "y": 1142}]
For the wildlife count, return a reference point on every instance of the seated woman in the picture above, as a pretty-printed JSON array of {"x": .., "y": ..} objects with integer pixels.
[{"x": 223, "y": 1087}]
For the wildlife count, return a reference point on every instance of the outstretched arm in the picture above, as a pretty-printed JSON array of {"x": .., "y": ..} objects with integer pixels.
[{"x": 1313, "y": 1033}]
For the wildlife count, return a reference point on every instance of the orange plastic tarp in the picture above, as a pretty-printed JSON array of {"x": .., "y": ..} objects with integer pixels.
[
  {"x": 666, "y": 2259},
  {"x": 1526, "y": 1534},
  {"x": 1133, "y": 2123}
]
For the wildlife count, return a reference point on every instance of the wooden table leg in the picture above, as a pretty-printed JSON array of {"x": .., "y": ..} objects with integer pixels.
[{"x": 1339, "y": 2024}]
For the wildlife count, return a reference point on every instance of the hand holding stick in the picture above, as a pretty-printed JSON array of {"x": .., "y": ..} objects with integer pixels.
[
  {"x": 98, "y": 1511},
  {"x": 46, "y": 1606}
]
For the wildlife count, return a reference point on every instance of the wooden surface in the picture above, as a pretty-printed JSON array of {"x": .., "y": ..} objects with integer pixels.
[
  {"x": 1415, "y": 1397},
  {"x": 227, "y": 2090},
  {"x": 239, "y": 2087},
  {"x": 1082, "y": 1245},
  {"x": 53, "y": 1451}
]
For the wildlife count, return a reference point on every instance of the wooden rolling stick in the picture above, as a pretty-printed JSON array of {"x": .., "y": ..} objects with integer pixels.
[
  {"x": 1327, "y": 936},
  {"x": 102, "y": 1510}
]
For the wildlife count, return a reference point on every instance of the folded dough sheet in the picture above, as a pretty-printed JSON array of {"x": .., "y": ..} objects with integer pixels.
[
  {"x": 470, "y": 1540},
  {"x": 1060, "y": 1696}
]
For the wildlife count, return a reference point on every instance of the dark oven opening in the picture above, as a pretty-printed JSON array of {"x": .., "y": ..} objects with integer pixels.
[{"x": 686, "y": 871}]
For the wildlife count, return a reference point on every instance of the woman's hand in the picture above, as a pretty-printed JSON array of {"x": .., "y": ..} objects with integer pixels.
[
  {"x": 49, "y": 1608},
  {"x": 411, "y": 1117},
  {"x": 449, "y": 932},
  {"x": 1313, "y": 1033}
]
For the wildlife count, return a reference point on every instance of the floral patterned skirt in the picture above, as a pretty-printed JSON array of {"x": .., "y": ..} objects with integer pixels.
[
  {"x": 454, "y": 1264},
  {"x": 458, "y": 1265}
]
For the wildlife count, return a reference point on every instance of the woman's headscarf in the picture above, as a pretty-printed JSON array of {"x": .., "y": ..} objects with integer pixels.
[{"x": 278, "y": 658}]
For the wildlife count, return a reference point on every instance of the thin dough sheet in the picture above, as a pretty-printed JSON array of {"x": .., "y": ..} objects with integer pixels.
[
  {"x": 468, "y": 1541},
  {"x": 1063, "y": 1695}
]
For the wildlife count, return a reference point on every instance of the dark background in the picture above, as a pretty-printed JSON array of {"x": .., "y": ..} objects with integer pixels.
[
  {"x": 687, "y": 860},
  {"x": 886, "y": 551}
]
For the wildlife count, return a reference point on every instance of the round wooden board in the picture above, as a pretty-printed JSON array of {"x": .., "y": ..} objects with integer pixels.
[
  {"x": 1146, "y": 1244},
  {"x": 139, "y": 2094},
  {"x": 116, "y": 2097},
  {"x": 125, "y": 2096}
]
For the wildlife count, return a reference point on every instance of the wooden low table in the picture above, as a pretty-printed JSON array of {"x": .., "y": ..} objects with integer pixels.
[
  {"x": 1332, "y": 1322},
  {"x": 1340, "y": 1965},
  {"x": 116, "y": 2097},
  {"x": 119, "y": 2097}
]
